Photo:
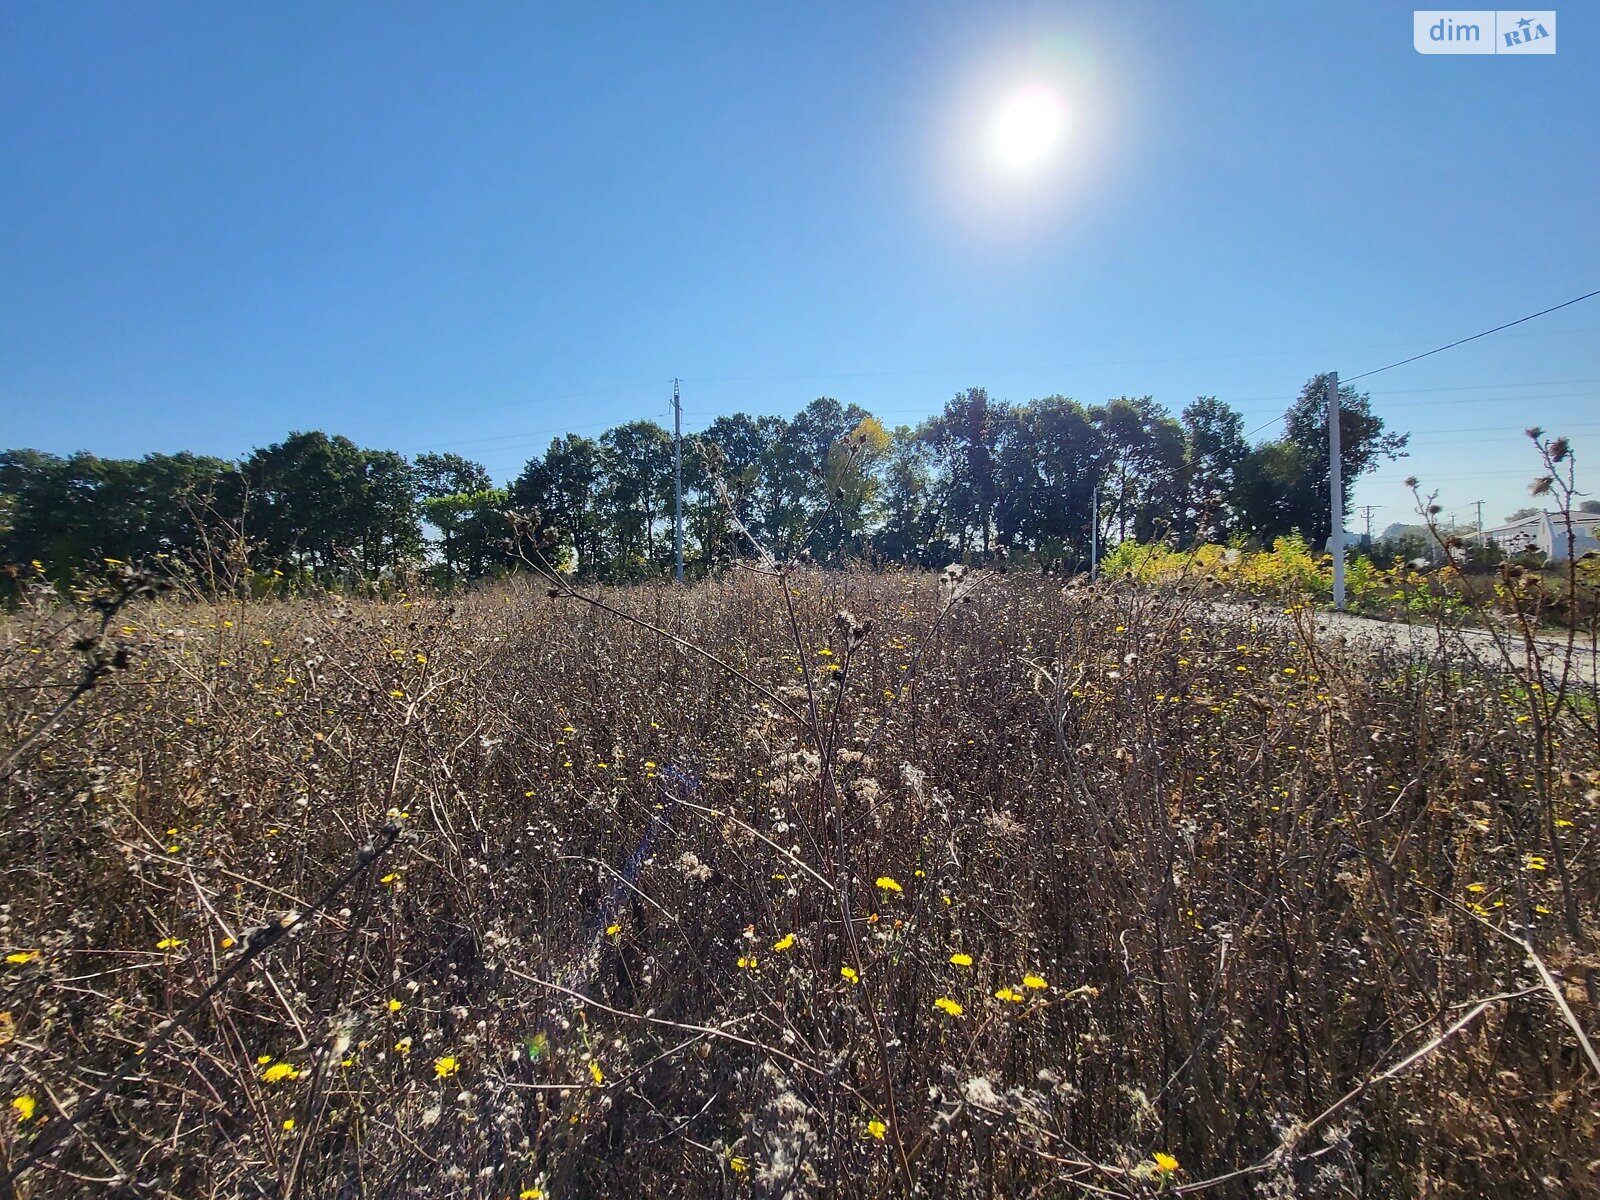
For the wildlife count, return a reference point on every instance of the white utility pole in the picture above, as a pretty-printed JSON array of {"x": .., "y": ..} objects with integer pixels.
[
  {"x": 677, "y": 480},
  {"x": 1335, "y": 492},
  {"x": 1094, "y": 533}
]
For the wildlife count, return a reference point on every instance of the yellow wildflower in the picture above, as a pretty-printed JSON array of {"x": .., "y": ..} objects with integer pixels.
[
  {"x": 395, "y": 1005},
  {"x": 737, "y": 1165},
  {"x": 1010, "y": 994},
  {"x": 876, "y": 1129},
  {"x": 850, "y": 974},
  {"x": 961, "y": 960},
  {"x": 445, "y": 1067},
  {"x": 784, "y": 943},
  {"x": 889, "y": 885},
  {"x": 1165, "y": 1162},
  {"x": 403, "y": 1046},
  {"x": 949, "y": 1006},
  {"x": 278, "y": 1072},
  {"x": 23, "y": 1106},
  {"x": 596, "y": 1073},
  {"x": 22, "y": 956},
  {"x": 1034, "y": 981},
  {"x": 169, "y": 943}
]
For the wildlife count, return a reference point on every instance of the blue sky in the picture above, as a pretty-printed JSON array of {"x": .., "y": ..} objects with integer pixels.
[{"x": 472, "y": 226}]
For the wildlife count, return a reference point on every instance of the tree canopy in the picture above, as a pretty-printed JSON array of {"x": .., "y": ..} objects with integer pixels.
[{"x": 832, "y": 481}]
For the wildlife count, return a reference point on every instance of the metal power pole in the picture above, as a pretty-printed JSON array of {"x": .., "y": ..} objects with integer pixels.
[
  {"x": 677, "y": 481},
  {"x": 1335, "y": 492},
  {"x": 1094, "y": 533},
  {"x": 1479, "y": 503},
  {"x": 1367, "y": 510}
]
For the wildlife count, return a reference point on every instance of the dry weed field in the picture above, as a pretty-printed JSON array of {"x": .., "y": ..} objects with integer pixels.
[{"x": 810, "y": 883}]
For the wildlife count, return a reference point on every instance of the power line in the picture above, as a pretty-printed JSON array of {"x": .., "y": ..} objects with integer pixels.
[{"x": 1463, "y": 341}]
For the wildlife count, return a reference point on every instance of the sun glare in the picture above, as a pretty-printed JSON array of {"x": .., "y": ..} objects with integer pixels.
[{"x": 1027, "y": 128}]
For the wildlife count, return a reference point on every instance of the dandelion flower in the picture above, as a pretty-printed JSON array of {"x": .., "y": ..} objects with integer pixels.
[
  {"x": 850, "y": 974},
  {"x": 395, "y": 1005},
  {"x": 1034, "y": 981},
  {"x": 1010, "y": 994},
  {"x": 737, "y": 1165},
  {"x": 949, "y": 1006},
  {"x": 170, "y": 943},
  {"x": 403, "y": 1046},
  {"x": 445, "y": 1067},
  {"x": 596, "y": 1074},
  {"x": 288, "y": 1125},
  {"x": 1165, "y": 1162},
  {"x": 22, "y": 956},
  {"x": 23, "y": 1106},
  {"x": 961, "y": 960},
  {"x": 613, "y": 929},
  {"x": 530, "y": 1194},
  {"x": 1533, "y": 862},
  {"x": 877, "y": 1129},
  {"x": 889, "y": 885},
  {"x": 786, "y": 942},
  {"x": 278, "y": 1072}
]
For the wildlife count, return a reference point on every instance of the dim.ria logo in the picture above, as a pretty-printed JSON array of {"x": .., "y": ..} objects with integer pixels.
[{"x": 1484, "y": 31}]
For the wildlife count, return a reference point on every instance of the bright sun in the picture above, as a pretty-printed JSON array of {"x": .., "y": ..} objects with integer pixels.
[{"x": 1027, "y": 128}]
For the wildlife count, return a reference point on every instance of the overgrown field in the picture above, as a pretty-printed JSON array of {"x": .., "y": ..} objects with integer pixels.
[{"x": 833, "y": 883}]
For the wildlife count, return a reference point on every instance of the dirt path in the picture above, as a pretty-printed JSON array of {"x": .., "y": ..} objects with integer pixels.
[{"x": 1472, "y": 645}]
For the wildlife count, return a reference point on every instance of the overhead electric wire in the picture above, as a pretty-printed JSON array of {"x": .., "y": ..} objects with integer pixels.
[{"x": 1463, "y": 341}]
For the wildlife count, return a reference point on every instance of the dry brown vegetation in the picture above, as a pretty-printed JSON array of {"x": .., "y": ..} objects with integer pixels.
[{"x": 985, "y": 887}]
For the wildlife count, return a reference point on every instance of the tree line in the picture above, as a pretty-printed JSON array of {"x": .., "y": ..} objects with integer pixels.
[{"x": 831, "y": 482}]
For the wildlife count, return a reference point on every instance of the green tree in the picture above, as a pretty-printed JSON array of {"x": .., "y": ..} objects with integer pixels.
[
  {"x": 1048, "y": 457},
  {"x": 911, "y": 511},
  {"x": 637, "y": 462},
  {"x": 441, "y": 477},
  {"x": 963, "y": 439},
  {"x": 565, "y": 486},
  {"x": 1214, "y": 457},
  {"x": 1143, "y": 466},
  {"x": 1362, "y": 443}
]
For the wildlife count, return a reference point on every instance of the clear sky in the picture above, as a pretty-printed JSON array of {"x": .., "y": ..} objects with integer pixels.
[{"x": 470, "y": 226}]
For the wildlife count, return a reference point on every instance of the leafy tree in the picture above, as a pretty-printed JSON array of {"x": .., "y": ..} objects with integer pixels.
[
  {"x": 637, "y": 461},
  {"x": 850, "y": 480},
  {"x": 450, "y": 489},
  {"x": 1362, "y": 443},
  {"x": 1215, "y": 456},
  {"x": 449, "y": 475},
  {"x": 566, "y": 485},
  {"x": 475, "y": 530},
  {"x": 911, "y": 511},
  {"x": 1524, "y": 513},
  {"x": 1144, "y": 457},
  {"x": 1048, "y": 457},
  {"x": 963, "y": 439}
]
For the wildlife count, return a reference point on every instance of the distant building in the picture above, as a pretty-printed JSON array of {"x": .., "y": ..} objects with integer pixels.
[{"x": 1547, "y": 531}]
